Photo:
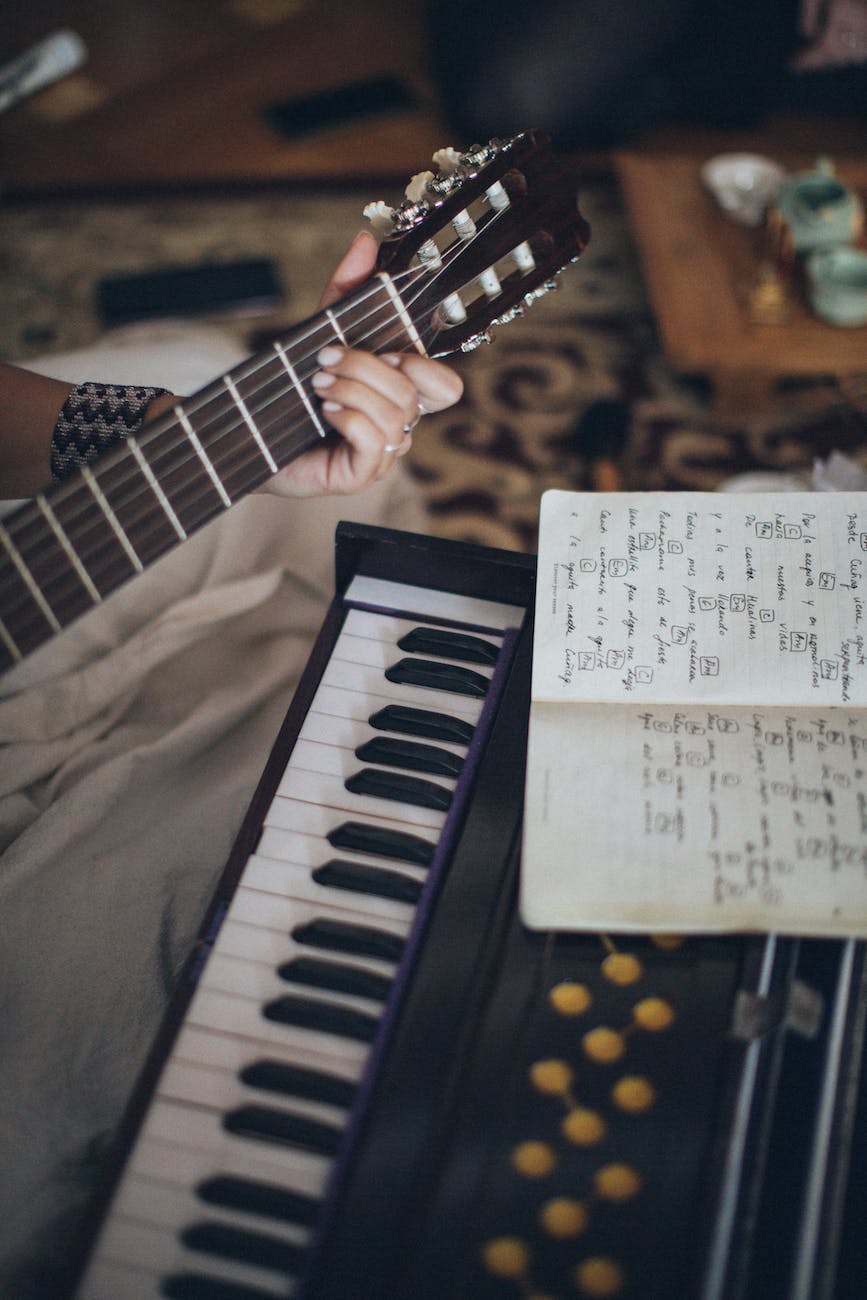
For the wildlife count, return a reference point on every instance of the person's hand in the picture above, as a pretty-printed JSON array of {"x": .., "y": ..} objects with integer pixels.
[{"x": 373, "y": 402}]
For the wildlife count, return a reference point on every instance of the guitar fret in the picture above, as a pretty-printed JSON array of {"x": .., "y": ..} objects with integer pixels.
[
  {"x": 9, "y": 643},
  {"x": 250, "y": 422},
  {"x": 102, "y": 502},
  {"x": 154, "y": 484},
  {"x": 408, "y": 323},
  {"x": 311, "y": 409},
  {"x": 202, "y": 455},
  {"x": 336, "y": 326},
  {"x": 71, "y": 553},
  {"x": 28, "y": 579}
]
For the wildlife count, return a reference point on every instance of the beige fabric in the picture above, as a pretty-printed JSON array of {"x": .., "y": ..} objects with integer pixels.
[{"x": 132, "y": 744}]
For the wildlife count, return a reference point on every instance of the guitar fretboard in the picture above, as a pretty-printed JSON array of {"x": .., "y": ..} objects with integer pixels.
[{"x": 75, "y": 543}]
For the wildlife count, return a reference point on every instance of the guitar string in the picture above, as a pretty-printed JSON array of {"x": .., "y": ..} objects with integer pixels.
[
  {"x": 426, "y": 274},
  {"x": 215, "y": 393},
  {"x": 249, "y": 368},
  {"x": 287, "y": 433},
  {"x": 108, "y": 567},
  {"x": 252, "y": 456},
  {"x": 246, "y": 370}
]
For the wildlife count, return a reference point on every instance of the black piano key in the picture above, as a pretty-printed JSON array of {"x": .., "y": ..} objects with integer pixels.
[
  {"x": 345, "y": 936},
  {"x": 411, "y": 755},
  {"x": 298, "y": 1081},
  {"x": 267, "y": 1125},
  {"x": 192, "y": 1286},
  {"x": 381, "y": 841},
  {"x": 265, "y": 1199},
  {"x": 438, "y": 677},
  {"x": 336, "y": 977},
  {"x": 422, "y": 722},
  {"x": 325, "y": 1017},
  {"x": 451, "y": 645},
  {"x": 399, "y": 788},
  {"x": 255, "y": 1248},
  {"x": 359, "y": 878}
]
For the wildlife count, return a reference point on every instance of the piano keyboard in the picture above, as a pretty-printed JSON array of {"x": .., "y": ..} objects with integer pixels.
[
  {"x": 255, "y": 1105},
  {"x": 382, "y": 1084}
]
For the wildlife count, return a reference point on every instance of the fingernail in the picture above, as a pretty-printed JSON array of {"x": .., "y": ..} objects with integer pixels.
[
  {"x": 331, "y": 406},
  {"x": 391, "y": 359},
  {"x": 323, "y": 379},
  {"x": 329, "y": 356}
]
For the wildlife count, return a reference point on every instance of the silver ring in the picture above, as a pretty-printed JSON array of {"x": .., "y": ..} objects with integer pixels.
[{"x": 421, "y": 410}]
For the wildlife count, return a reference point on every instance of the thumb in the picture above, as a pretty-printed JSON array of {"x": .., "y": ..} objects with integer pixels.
[{"x": 356, "y": 266}]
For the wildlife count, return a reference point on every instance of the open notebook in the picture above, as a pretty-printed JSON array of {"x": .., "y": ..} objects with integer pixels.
[{"x": 698, "y": 736}]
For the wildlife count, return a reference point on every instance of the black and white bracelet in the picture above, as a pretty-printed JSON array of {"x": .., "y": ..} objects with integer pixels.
[{"x": 94, "y": 418}]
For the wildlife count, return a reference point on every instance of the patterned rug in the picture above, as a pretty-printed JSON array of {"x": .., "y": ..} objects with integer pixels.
[{"x": 483, "y": 465}]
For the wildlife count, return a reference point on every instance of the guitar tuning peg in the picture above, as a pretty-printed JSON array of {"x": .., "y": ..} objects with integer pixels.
[
  {"x": 476, "y": 340},
  {"x": 447, "y": 160},
  {"x": 381, "y": 218},
  {"x": 418, "y": 185}
]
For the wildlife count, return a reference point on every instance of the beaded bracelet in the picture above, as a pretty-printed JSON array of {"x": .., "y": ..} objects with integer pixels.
[{"x": 95, "y": 417}]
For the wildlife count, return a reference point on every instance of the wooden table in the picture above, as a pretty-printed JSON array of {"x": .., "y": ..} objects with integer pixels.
[{"x": 699, "y": 266}]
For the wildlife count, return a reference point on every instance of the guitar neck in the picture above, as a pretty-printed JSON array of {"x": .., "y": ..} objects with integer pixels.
[
  {"x": 65, "y": 551},
  {"x": 479, "y": 242}
]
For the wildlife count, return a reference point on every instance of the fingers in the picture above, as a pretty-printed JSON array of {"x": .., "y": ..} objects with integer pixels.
[
  {"x": 368, "y": 385},
  {"x": 373, "y": 402},
  {"x": 437, "y": 386}
]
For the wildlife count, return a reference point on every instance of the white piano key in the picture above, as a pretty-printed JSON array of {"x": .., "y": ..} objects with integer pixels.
[
  {"x": 295, "y": 881},
  {"x": 243, "y": 1016},
  {"x": 191, "y": 1128},
  {"x": 308, "y": 818},
  {"x": 158, "y": 1249},
  {"x": 273, "y": 912},
  {"x": 229, "y": 1054},
  {"x": 311, "y": 851},
  {"x": 470, "y": 610},
  {"x": 179, "y": 1166},
  {"x": 375, "y": 686},
  {"x": 249, "y": 979},
  {"x": 330, "y": 792},
  {"x": 237, "y": 939},
  {"x": 350, "y": 733},
  {"x": 332, "y": 760},
  {"x": 382, "y": 655},
  {"x": 222, "y": 1092},
  {"x": 392, "y": 627},
  {"x": 339, "y": 701},
  {"x": 161, "y": 1205}
]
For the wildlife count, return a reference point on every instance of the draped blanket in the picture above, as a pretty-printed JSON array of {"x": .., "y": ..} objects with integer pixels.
[{"x": 131, "y": 745}]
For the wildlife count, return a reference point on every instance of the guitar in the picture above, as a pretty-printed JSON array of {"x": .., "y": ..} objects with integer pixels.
[{"x": 473, "y": 244}]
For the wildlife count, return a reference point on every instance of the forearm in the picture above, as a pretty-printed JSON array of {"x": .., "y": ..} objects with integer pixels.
[{"x": 30, "y": 407}]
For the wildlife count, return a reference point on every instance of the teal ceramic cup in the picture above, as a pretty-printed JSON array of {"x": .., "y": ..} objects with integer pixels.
[
  {"x": 819, "y": 210},
  {"x": 837, "y": 285}
]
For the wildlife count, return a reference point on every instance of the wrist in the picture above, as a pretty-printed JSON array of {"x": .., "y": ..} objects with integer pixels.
[{"x": 96, "y": 417}]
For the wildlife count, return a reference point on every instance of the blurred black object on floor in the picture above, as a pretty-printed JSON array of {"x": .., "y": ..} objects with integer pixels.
[{"x": 600, "y": 439}]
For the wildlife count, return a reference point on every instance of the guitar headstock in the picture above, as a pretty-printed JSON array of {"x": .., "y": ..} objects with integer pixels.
[{"x": 480, "y": 239}]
